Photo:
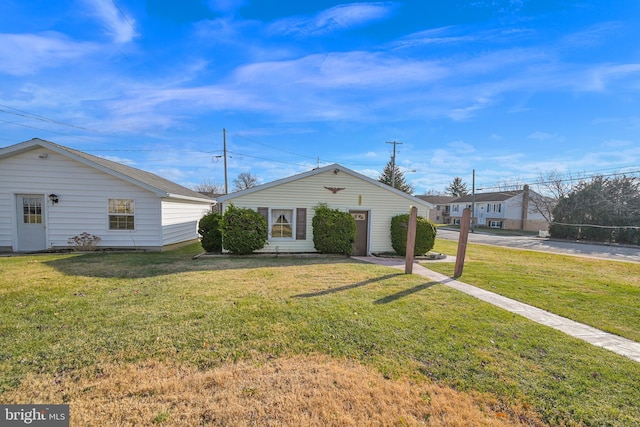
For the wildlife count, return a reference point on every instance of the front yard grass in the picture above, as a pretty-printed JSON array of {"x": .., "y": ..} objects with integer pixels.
[
  {"x": 64, "y": 316},
  {"x": 600, "y": 293}
]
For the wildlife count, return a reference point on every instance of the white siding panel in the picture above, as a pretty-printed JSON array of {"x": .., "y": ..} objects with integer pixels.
[
  {"x": 308, "y": 192},
  {"x": 180, "y": 220},
  {"x": 83, "y": 200}
]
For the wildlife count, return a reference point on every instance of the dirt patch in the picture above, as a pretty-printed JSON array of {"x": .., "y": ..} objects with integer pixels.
[{"x": 296, "y": 391}]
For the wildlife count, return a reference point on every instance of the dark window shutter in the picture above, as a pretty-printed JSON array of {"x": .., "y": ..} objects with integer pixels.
[
  {"x": 301, "y": 223},
  {"x": 265, "y": 214}
]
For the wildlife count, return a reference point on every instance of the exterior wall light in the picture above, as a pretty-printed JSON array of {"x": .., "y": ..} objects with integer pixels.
[{"x": 53, "y": 198}]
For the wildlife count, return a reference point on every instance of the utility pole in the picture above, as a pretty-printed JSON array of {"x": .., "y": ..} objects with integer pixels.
[
  {"x": 224, "y": 145},
  {"x": 393, "y": 163},
  {"x": 473, "y": 205}
]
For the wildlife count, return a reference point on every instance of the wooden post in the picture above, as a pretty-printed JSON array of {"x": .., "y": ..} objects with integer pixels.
[
  {"x": 462, "y": 242},
  {"x": 411, "y": 240}
]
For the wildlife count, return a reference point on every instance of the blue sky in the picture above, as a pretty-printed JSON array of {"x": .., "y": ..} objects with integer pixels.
[{"x": 511, "y": 89}]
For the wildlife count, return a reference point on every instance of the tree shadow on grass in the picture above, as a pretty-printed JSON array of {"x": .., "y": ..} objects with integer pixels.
[
  {"x": 405, "y": 293},
  {"x": 152, "y": 264},
  {"x": 346, "y": 287}
]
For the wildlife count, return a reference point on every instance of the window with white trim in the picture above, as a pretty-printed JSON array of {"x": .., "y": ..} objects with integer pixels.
[
  {"x": 495, "y": 224},
  {"x": 121, "y": 214},
  {"x": 282, "y": 224}
]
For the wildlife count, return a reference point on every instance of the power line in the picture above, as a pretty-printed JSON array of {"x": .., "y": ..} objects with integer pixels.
[
  {"x": 275, "y": 148},
  {"x": 28, "y": 115}
]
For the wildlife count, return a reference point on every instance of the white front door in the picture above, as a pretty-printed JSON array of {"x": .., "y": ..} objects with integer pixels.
[{"x": 31, "y": 225}]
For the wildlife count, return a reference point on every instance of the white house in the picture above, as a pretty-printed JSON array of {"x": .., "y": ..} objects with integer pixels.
[
  {"x": 291, "y": 202},
  {"x": 50, "y": 193},
  {"x": 509, "y": 210}
]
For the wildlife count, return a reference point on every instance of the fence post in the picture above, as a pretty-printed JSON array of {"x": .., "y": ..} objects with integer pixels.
[
  {"x": 411, "y": 240},
  {"x": 462, "y": 242}
]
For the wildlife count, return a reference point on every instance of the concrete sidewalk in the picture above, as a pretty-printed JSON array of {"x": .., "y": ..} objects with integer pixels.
[{"x": 619, "y": 345}]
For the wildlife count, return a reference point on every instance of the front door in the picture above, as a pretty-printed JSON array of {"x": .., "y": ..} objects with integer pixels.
[
  {"x": 31, "y": 225},
  {"x": 362, "y": 232}
]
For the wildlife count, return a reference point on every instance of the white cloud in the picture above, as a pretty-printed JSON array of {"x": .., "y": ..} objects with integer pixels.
[
  {"x": 338, "y": 18},
  {"x": 25, "y": 54},
  {"x": 541, "y": 136},
  {"x": 617, "y": 143},
  {"x": 462, "y": 147},
  {"x": 117, "y": 24}
]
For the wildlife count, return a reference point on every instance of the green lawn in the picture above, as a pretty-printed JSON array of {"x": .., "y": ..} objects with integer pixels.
[
  {"x": 63, "y": 313},
  {"x": 602, "y": 294}
]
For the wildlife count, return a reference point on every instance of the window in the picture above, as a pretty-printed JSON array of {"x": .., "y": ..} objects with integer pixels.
[
  {"x": 32, "y": 210},
  {"x": 495, "y": 224},
  {"x": 456, "y": 208},
  {"x": 121, "y": 214},
  {"x": 282, "y": 223}
]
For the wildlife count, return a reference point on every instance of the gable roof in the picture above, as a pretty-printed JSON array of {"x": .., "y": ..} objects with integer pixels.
[
  {"x": 437, "y": 200},
  {"x": 156, "y": 184},
  {"x": 317, "y": 171},
  {"x": 496, "y": 196}
]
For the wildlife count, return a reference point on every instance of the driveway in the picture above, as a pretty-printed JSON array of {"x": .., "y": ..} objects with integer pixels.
[{"x": 613, "y": 252}]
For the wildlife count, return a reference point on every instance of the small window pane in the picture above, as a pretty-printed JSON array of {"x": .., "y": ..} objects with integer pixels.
[{"x": 121, "y": 214}]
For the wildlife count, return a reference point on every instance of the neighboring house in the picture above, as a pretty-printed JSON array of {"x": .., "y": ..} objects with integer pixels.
[
  {"x": 510, "y": 210},
  {"x": 288, "y": 206},
  {"x": 440, "y": 213},
  {"x": 50, "y": 193}
]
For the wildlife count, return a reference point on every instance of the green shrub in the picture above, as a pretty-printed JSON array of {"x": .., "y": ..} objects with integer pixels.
[
  {"x": 243, "y": 230},
  {"x": 425, "y": 234},
  {"x": 209, "y": 229},
  {"x": 334, "y": 232}
]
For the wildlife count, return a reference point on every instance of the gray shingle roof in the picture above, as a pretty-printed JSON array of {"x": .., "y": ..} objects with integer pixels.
[{"x": 497, "y": 196}]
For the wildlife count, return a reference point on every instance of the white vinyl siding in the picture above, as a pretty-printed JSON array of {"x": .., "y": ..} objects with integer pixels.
[
  {"x": 83, "y": 194},
  {"x": 308, "y": 192},
  {"x": 180, "y": 220}
]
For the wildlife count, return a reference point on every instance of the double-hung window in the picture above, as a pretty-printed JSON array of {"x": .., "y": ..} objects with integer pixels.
[
  {"x": 282, "y": 223},
  {"x": 121, "y": 214}
]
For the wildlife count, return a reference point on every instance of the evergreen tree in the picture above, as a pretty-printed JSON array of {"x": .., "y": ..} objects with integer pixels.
[
  {"x": 391, "y": 174},
  {"x": 457, "y": 188}
]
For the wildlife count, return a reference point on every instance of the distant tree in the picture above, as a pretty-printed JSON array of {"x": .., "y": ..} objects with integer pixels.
[
  {"x": 244, "y": 181},
  {"x": 602, "y": 209},
  {"x": 550, "y": 187},
  {"x": 209, "y": 188},
  {"x": 457, "y": 188},
  {"x": 392, "y": 174}
]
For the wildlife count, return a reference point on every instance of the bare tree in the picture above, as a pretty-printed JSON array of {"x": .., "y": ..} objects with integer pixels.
[
  {"x": 549, "y": 188},
  {"x": 209, "y": 188},
  {"x": 244, "y": 180}
]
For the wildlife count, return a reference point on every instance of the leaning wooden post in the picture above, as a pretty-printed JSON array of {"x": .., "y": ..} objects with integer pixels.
[
  {"x": 411, "y": 240},
  {"x": 462, "y": 242}
]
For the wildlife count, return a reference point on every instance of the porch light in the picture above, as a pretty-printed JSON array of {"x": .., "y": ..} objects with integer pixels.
[{"x": 53, "y": 198}]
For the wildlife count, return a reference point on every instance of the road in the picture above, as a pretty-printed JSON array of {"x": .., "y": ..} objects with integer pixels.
[{"x": 620, "y": 253}]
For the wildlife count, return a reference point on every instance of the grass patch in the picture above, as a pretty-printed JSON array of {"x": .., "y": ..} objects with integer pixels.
[
  {"x": 75, "y": 319},
  {"x": 600, "y": 293}
]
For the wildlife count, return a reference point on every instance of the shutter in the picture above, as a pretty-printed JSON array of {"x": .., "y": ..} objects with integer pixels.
[
  {"x": 301, "y": 223},
  {"x": 265, "y": 214}
]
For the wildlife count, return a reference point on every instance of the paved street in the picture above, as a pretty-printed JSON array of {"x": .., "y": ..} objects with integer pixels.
[{"x": 547, "y": 245}]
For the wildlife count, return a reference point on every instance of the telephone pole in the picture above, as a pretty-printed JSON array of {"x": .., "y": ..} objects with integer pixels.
[
  {"x": 224, "y": 145},
  {"x": 393, "y": 163}
]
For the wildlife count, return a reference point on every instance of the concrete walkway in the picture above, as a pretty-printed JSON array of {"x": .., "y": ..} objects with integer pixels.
[{"x": 622, "y": 346}]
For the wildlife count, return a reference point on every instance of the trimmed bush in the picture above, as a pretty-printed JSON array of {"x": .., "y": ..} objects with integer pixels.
[
  {"x": 334, "y": 232},
  {"x": 209, "y": 229},
  {"x": 425, "y": 234},
  {"x": 243, "y": 230}
]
